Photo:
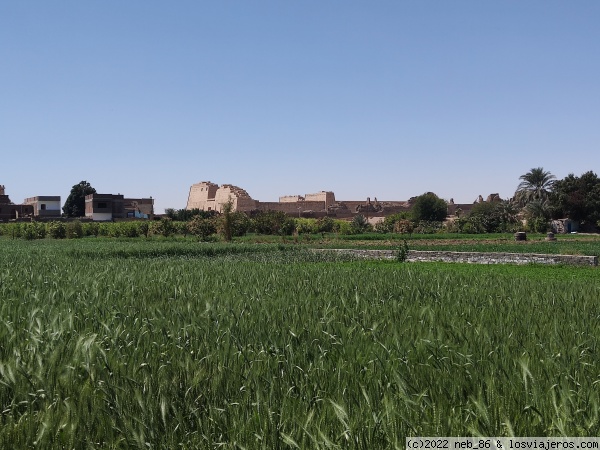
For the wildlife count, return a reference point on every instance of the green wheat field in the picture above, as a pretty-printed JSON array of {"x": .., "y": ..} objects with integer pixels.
[{"x": 118, "y": 344}]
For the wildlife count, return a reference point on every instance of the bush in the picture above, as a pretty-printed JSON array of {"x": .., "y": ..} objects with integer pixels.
[
  {"x": 492, "y": 217},
  {"x": 144, "y": 228},
  {"x": 91, "y": 228},
  {"x": 343, "y": 227},
  {"x": 130, "y": 229},
  {"x": 164, "y": 227},
  {"x": 74, "y": 230},
  {"x": 360, "y": 225},
  {"x": 325, "y": 225},
  {"x": 306, "y": 226},
  {"x": 389, "y": 224},
  {"x": 57, "y": 230},
  {"x": 273, "y": 223},
  {"x": 202, "y": 228},
  {"x": 33, "y": 230},
  {"x": 239, "y": 223},
  {"x": 538, "y": 225},
  {"x": 428, "y": 227}
]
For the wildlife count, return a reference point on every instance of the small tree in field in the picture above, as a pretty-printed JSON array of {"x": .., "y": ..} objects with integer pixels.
[
  {"x": 429, "y": 208},
  {"x": 164, "y": 226},
  {"x": 360, "y": 224},
  {"x": 227, "y": 221},
  {"x": 202, "y": 228}
]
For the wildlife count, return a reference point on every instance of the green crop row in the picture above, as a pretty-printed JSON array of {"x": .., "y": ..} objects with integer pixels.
[{"x": 136, "y": 344}]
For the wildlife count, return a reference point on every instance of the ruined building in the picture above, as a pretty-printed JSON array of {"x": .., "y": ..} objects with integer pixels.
[
  {"x": 209, "y": 196},
  {"x": 8, "y": 210}
]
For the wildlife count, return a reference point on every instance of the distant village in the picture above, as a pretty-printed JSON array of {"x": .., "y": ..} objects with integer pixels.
[
  {"x": 98, "y": 207},
  {"x": 208, "y": 196}
]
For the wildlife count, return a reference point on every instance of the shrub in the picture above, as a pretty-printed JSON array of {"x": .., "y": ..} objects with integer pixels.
[
  {"x": 163, "y": 227},
  {"x": 144, "y": 228},
  {"x": 239, "y": 223},
  {"x": 343, "y": 227},
  {"x": 402, "y": 255},
  {"x": 492, "y": 217},
  {"x": 538, "y": 225},
  {"x": 105, "y": 229},
  {"x": 33, "y": 230},
  {"x": 360, "y": 224},
  {"x": 202, "y": 228},
  {"x": 57, "y": 230},
  {"x": 181, "y": 228},
  {"x": 306, "y": 226},
  {"x": 90, "y": 228},
  {"x": 272, "y": 223},
  {"x": 403, "y": 226},
  {"x": 428, "y": 227},
  {"x": 74, "y": 230},
  {"x": 325, "y": 225}
]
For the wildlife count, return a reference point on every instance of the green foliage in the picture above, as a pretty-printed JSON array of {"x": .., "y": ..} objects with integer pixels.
[
  {"x": 538, "y": 225},
  {"x": 32, "y": 230},
  {"x": 429, "y": 208},
  {"x": 490, "y": 217},
  {"x": 390, "y": 224},
  {"x": 535, "y": 185},
  {"x": 163, "y": 227},
  {"x": 185, "y": 215},
  {"x": 306, "y": 226},
  {"x": 91, "y": 229},
  {"x": 360, "y": 224},
  {"x": 57, "y": 230},
  {"x": 325, "y": 225},
  {"x": 343, "y": 227},
  {"x": 75, "y": 204},
  {"x": 577, "y": 198},
  {"x": 226, "y": 227},
  {"x": 272, "y": 223},
  {"x": 74, "y": 230},
  {"x": 202, "y": 228},
  {"x": 427, "y": 227},
  {"x": 144, "y": 228},
  {"x": 403, "y": 252}
]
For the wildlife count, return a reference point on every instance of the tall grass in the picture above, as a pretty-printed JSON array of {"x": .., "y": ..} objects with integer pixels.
[{"x": 109, "y": 346}]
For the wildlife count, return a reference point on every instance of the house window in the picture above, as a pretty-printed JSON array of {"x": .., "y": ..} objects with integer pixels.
[
  {"x": 43, "y": 207},
  {"x": 209, "y": 208},
  {"x": 102, "y": 205}
]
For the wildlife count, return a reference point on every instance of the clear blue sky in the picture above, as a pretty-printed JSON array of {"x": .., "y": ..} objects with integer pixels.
[{"x": 385, "y": 99}]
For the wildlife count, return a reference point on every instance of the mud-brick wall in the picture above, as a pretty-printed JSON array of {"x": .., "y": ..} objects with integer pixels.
[{"x": 291, "y": 207}]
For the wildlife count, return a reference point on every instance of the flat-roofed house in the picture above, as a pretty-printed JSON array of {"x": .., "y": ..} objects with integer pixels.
[{"x": 44, "y": 205}]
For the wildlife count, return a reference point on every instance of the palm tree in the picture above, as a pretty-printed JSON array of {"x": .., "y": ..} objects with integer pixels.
[
  {"x": 537, "y": 209},
  {"x": 535, "y": 185}
]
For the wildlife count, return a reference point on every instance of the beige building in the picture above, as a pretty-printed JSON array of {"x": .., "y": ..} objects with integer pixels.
[
  {"x": 209, "y": 196},
  {"x": 45, "y": 205}
]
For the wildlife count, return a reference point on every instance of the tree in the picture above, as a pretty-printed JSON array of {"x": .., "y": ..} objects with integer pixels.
[
  {"x": 491, "y": 217},
  {"x": 202, "y": 228},
  {"x": 360, "y": 224},
  {"x": 226, "y": 224},
  {"x": 577, "y": 198},
  {"x": 535, "y": 185},
  {"x": 429, "y": 208},
  {"x": 75, "y": 203}
]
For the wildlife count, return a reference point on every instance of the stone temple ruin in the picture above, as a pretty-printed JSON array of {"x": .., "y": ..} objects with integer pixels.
[{"x": 209, "y": 196}]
